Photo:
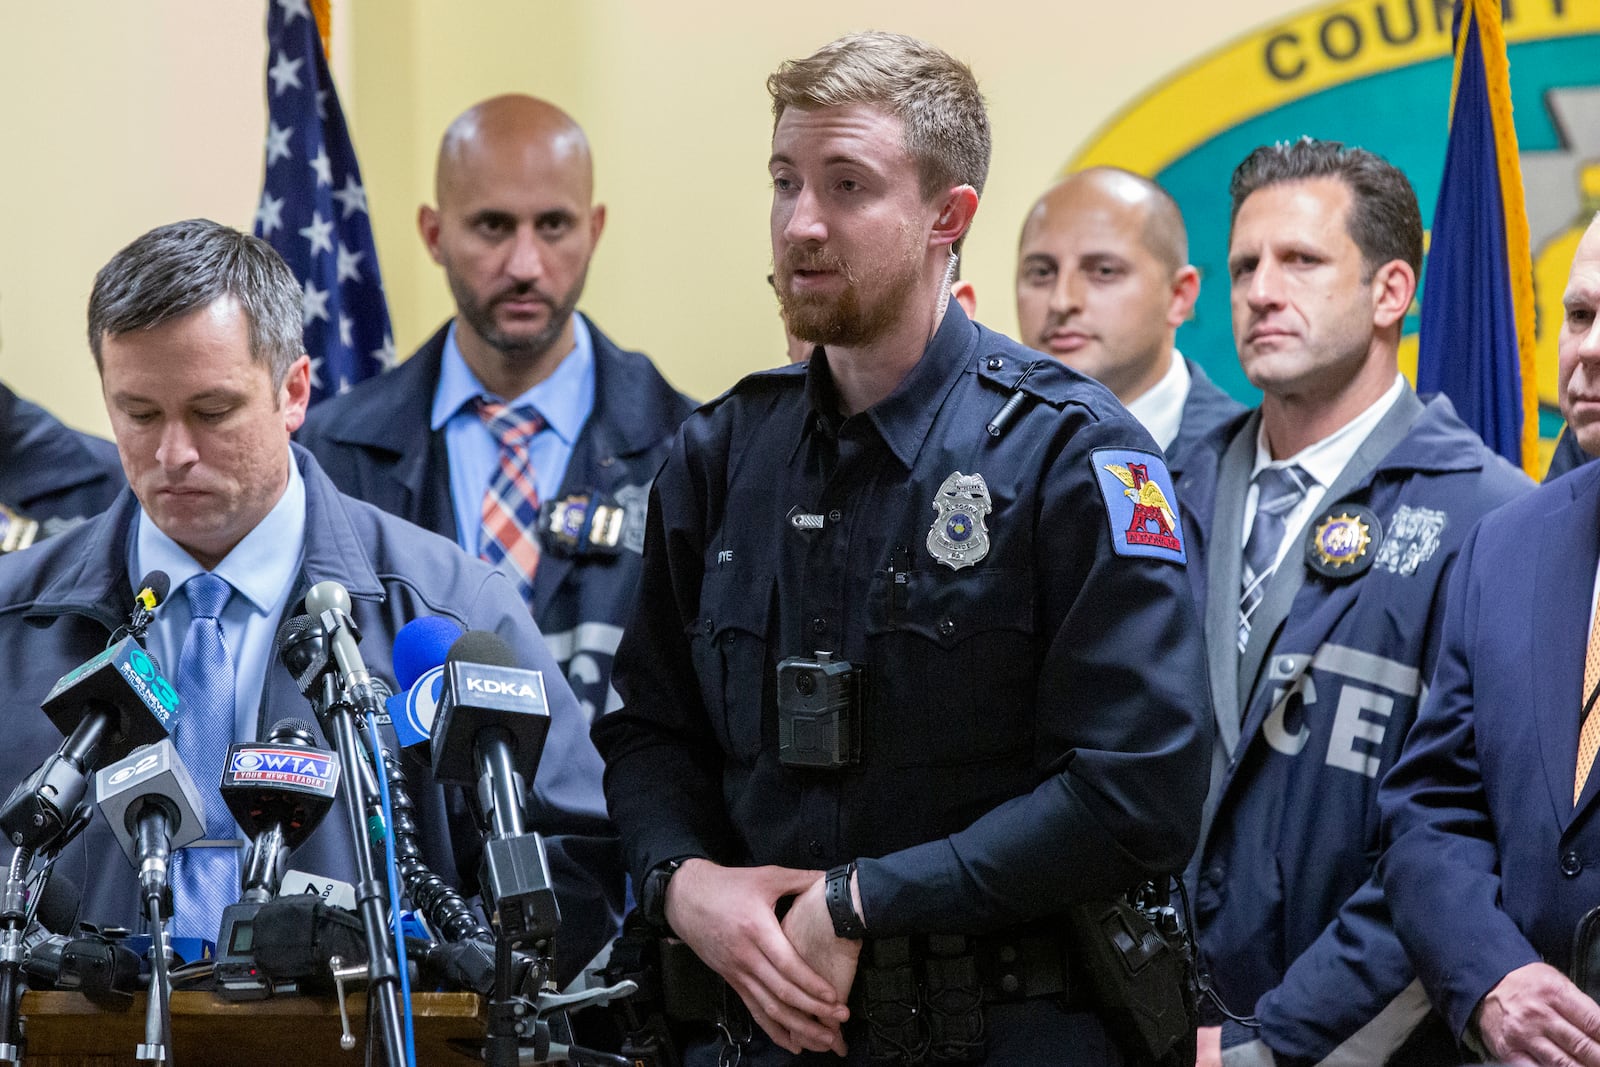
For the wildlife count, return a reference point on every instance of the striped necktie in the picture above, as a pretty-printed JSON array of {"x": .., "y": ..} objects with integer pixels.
[
  {"x": 510, "y": 527},
  {"x": 1279, "y": 489},
  {"x": 205, "y": 880},
  {"x": 1589, "y": 734}
]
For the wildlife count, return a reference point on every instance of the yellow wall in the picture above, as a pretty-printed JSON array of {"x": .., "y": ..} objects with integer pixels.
[{"x": 116, "y": 116}]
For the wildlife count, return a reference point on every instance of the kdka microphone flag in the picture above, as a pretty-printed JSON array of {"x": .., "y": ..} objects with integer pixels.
[{"x": 313, "y": 207}]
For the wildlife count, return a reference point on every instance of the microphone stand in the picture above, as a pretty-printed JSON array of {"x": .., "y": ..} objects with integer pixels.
[
  {"x": 13, "y": 913},
  {"x": 508, "y": 1021},
  {"x": 360, "y": 802},
  {"x": 44, "y": 814},
  {"x": 157, "y": 1044}
]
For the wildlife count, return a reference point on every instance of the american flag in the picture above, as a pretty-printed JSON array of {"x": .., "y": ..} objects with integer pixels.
[{"x": 314, "y": 209}]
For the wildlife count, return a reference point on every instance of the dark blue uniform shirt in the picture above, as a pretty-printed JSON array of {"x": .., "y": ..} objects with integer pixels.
[{"x": 1036, "y": 723}]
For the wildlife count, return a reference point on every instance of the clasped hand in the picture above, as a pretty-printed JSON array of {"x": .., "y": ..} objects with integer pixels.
[{"x": 793, "y": 976}]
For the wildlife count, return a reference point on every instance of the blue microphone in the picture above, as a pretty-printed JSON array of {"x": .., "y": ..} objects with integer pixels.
[{"x": 420, "y": 650}]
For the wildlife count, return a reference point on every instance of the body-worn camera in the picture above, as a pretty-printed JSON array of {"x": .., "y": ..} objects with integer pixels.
[{"x": 819, "y": 712}]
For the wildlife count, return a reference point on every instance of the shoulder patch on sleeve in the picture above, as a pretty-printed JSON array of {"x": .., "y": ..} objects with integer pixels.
[{"x": 1141, "y": 505}]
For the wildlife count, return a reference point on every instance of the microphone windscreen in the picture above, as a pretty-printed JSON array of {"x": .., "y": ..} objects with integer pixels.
[
  {"x": 327, "y": 596},
  {"x": 482, "y": 646},
  {"x": 421, "y": 645},
  {"x": 291, "y": 732},
  {"x": 159, "y": 585},
  {"x": 290, "y": 631},
  {"x": 58, "y": 907}
]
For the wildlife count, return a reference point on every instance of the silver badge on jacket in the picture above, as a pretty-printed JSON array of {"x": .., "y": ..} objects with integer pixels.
[{"x": 958, "y": 537}]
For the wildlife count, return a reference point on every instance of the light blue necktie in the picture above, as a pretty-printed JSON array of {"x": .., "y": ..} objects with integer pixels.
[
  {"x": 1279, "y": 489},
  {"x": 205, "y": 880}
]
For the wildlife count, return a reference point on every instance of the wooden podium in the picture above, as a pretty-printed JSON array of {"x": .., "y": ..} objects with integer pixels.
[{"x": 66, "y": 1030}]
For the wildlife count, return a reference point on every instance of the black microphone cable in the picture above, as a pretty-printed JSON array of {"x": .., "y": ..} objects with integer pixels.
[{"x": 444, "y": 908}]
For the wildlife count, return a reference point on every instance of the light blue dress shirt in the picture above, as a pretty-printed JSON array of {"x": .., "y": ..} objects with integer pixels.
[
  {"x": 565, "y": 400},
  {"x": 262, "y": 569}
]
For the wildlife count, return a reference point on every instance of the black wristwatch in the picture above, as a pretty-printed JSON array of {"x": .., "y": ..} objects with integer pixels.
[
  {"x": 653, "y": 894},
  {"x": 836, "y": 891}
]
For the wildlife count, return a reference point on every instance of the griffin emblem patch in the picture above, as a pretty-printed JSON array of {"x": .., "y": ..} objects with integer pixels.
[
  {"x": 1139, "y": 503},
  {"x": 958, "y": 537}
]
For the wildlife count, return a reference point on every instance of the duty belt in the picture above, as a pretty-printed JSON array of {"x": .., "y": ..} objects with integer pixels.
[{"x": 920, "y": 996}]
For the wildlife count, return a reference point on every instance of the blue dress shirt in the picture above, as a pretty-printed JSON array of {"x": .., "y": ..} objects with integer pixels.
[
  {"x": 262, "y": 570},
  {"x": 565, "y": 399}
]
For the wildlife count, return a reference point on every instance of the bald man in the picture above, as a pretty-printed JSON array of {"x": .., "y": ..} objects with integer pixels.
[
  {"x": 519, "y": 430},
  {"x": 1103, "y": 282}
]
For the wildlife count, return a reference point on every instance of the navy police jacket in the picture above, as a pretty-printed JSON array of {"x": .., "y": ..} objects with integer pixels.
[
  {"x": 60, "y": 602},
  {"x": 1033, "y": 730},
  {"x": 1310, "y": 718},
  {"x": 375, "y": 444},
  {"x": 1489, "y": 863},
  {"x": 50, "y": 471}
]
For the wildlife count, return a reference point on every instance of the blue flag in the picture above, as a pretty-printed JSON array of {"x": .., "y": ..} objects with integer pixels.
[
  {"x": 1476, "y": 340},
  {"x": 314, "y": 209}
]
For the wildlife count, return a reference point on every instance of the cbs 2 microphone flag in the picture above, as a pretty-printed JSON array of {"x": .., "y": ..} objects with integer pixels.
[
  {"x": 1477, "y": 330},
  {"x": 313, "y": 206}
]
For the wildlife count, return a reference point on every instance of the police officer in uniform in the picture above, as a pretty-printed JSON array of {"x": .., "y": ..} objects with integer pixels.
[{"x": 914, "y": 666}]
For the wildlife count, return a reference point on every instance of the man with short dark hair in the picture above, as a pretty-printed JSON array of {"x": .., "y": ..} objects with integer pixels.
[
  {"x": 196, "y": 331},
  {"x": 1103, "y": 283},
  {"x": 1489, "y": 817},
  {"x": 981, "y": 598},
  {"x": 1327, "y": 521}
]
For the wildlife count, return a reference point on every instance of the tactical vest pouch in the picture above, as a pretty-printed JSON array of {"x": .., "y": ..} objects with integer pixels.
[
  {"x": 955, "y": 1001},
  {"x": 897, "y": 1030},
  {"x": 1140, "y": 980}
]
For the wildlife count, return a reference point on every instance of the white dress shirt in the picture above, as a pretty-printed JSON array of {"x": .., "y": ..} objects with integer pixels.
[
  {"x": 1322, "y": 461},
  {"x": 1160, "y": 408}
]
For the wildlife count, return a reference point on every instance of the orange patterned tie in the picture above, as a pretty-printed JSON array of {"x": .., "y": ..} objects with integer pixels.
[{"x": 1589, "y": 736}]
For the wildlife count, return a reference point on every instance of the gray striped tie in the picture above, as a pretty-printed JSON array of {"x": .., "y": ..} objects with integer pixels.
[{"x": 1279, "y": 489}]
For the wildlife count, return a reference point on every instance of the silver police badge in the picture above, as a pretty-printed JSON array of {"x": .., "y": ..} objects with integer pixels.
[{"x": 958, "y": 537}]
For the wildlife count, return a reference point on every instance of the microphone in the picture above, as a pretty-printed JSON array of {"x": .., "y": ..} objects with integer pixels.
[
  {"x": 489, "y": 709},
  {"x": 420, "y": 650},
  {"x": 116, "y": 702},
  {"x": 278, "y": 791},
  {"x": 329, "y": 603},
  {"x": 491, "y": 728},
  {"x": 152, "y": 594},
  {"x": 57, "y": 910},
  {"x": 309, "y": 646},
  {"x": 152, "y": 807}
]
